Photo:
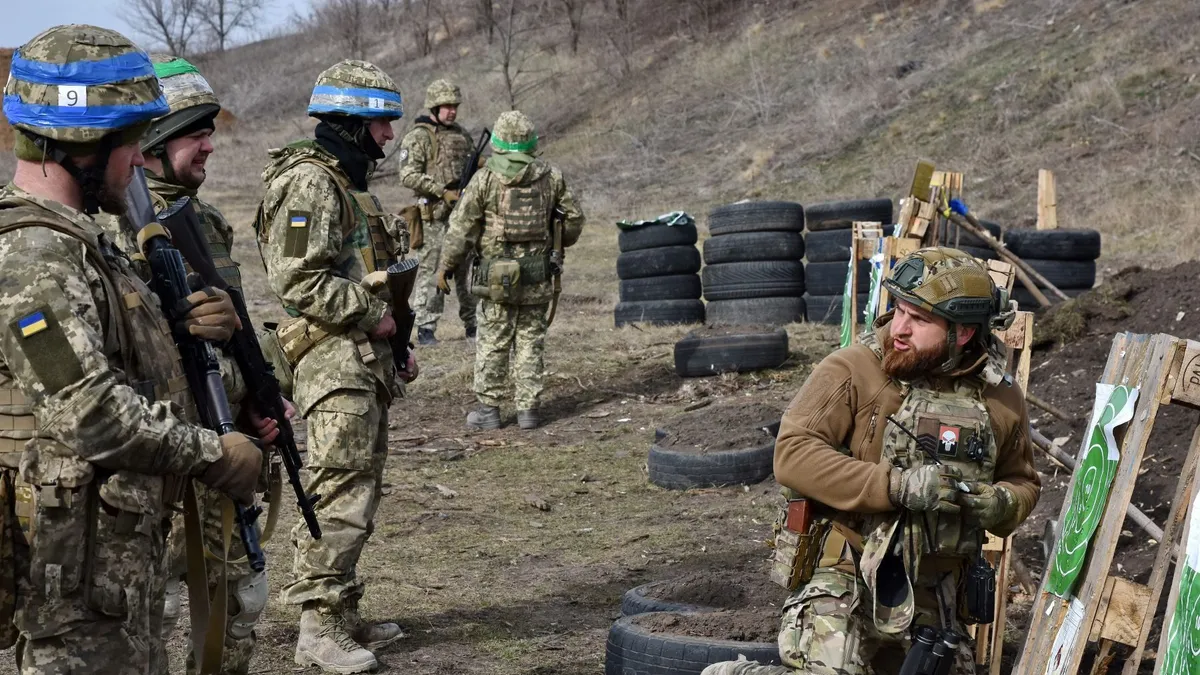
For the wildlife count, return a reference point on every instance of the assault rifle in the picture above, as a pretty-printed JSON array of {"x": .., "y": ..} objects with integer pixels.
[
  {"x": 169, "y": 281},
  {"x": 472, "y": 164},
  {"x": 401, "y": 277},
  {"x": 264, "y": 393}
]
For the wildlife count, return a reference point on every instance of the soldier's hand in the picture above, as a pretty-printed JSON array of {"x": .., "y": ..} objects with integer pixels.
[
  {"x": 411, "y": 370},
  {"x": 212, "y": 316},
  {"x": 450, "y": 196},
  {"x": 385, "y": 329},
  {"x": 443, "y": 283},
  {"x": 932, "y": 487},
  {"x": 988, "y": 505},
  {"x": 236, "y": 473}
]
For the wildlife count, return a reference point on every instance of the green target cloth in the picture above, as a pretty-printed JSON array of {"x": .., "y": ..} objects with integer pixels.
[
  {"x": 1094, "y": 471},
  {"x": 1183, "y": 636}
]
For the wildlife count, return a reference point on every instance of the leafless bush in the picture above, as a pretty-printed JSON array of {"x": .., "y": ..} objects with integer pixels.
[
  {"x": 516, "y": 52},
  {"x": 223, "y": 18},
  {"x": 170, "y": 24}
]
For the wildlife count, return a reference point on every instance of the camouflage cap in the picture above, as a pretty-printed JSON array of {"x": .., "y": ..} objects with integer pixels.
[
  {"x": 442, "y": 92},
  {"x": 356, "y": 89},
  {"x": 883, "y": 570},
  {"x": 188, "y": 94},
  {"x": 514, "y": 132},
  {"x": 949, "y": 283},
  {"x": 77, "y": 84}
]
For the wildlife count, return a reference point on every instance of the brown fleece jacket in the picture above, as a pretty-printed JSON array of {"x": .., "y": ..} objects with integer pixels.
[{"x": 831, "y": 436}]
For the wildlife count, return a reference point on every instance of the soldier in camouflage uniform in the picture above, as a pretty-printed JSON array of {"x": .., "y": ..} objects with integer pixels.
[
  {"x": 432, "y": 157},
  {"x": 506, "y": 213},
  {"x": 323, "y": 238},
  {"x": 95, "y": 403},
  {"x": 933, "y": 367}
]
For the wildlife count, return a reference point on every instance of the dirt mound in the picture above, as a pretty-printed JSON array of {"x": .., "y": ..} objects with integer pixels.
[
  {"x": 742, "y": 625},
  {"x": 740, "y": 590},
  {"x": 731, "y": 425}
]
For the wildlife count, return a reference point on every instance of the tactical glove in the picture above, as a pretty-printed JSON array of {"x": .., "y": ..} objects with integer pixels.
[
  {"x": 236, "y": 473},
  {"x": 988, "y": 505},
  {"x": 212, "y": 316},
  {"x": 450, "y": 196},
  {"x": 443, "y": 284},
  {"x": 931, "y": 487}
]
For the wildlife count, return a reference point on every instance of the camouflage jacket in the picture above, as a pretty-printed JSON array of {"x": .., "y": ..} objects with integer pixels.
[
  {"x": 318, "y": 242},
  {"x": 492, "y": 210},
  {"x": 218, "y": 233},
  {"x": 431, "y": 160}
]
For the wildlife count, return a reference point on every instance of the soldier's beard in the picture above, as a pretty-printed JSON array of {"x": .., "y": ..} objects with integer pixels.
[
  {"x": 110, "y": 199},
  {"x": 913, "y": 363}
]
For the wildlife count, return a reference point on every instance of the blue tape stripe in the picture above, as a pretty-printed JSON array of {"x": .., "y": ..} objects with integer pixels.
[
  {"x": 356, "y": 111},
  {"x": 106, "y": 71},
  {"x": 94, "y": 116},
  {"x": 350, "y": 91}
]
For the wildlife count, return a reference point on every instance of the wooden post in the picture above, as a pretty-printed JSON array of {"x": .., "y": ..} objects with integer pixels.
[{"x": 1047, "y": 218}]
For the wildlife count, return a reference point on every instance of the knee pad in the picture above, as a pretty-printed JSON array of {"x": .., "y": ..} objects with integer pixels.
[
  {"x": 171, "y": 607},
  {"x": 251, "y": 596}
]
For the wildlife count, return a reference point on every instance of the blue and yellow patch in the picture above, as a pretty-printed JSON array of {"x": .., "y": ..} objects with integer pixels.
[
  {"x": 299, "y": 221},
  {"x": 32, "y": 324}
]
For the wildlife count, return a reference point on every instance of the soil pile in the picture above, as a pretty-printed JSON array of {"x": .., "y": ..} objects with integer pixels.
[
  {"x": 726, "y": 425},
  {"x": 741, "y": 590},
  {"x": 741, "y": 625}
]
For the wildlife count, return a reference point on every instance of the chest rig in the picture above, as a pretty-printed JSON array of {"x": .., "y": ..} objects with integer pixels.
[
  {"x": 450, "y": 149},
  {"x": 523, "y": 212},
  {"x": 218, "y": 235}
]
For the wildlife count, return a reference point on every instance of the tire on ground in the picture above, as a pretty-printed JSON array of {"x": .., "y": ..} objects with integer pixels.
[
  {"x": 828, "y": 308},
  {"x": 1066, "y": 274},
  {"x": 1054, "y": 244},
  {"x": 703, "y": 355},
  {"x": 756, "y": 217},
  {"x": 633, "y": 649},
  {"x": 842, "y": 215},
  {"x": 755, "y": 311},
  {"x": 832, "y": 245},
  {"x": 659, "y": 312},
  {"x": 673, "y": 287},
  {"x": 676, "y": 470},
  {"x": 658, "y": 262},
  {"x": 981, "y": 252},
  {"x": 768, "y": 278},
  {"x": 830, "y": 278},
  {"x": 641, "y": 600},
  {"x": 753, "y": 246},
  {"x": 655, "y": 236},
  {"x": 950, "y": 234}
]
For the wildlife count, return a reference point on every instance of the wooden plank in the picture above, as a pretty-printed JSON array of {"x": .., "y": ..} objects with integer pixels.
[
  {"x": 1136, "y": 360},
  {"x": 1003, "y": 576},
  {"x": 1126, "y": 611},
  {"x": 856, "y": 252},
  {"x": 1184, "y": 493},
  {"x": 1003, "y": 274},
  {"x": 1173, "y": 597},
  {"x": 1102, "y": 609},
  {"x": 1187, "y": 385},
  {"x": 904, "y": 220},
  {"x": 1047, "y": 218},
  {"x": 921, "y": 178}
]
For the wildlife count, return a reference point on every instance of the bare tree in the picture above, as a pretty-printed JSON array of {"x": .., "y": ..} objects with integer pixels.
[
  {"x": 515, "y": 52},
  {"x": 166, "y": 23},
  {"x": 346, "y": 19},
  {"x": 486, "y": 16},
  {"x": 574, "y": 10},
  {"x": 420, "y": 21},
  {"x": 224, "y": 17}
]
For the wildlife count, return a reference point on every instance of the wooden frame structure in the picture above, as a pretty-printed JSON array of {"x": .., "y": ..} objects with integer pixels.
[{"x": 1166, "y": 370}]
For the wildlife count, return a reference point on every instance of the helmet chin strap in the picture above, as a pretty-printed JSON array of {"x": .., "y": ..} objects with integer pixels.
[
  {"x": 953, "y": 353},
  {"x": 90, "y": 178},
  {"x": 168, "y": 170}
]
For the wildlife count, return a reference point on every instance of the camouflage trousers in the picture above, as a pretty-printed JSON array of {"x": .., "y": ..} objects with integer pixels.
[
  {"x": 347, "y": 450},
  {"x": 827, "y": 629},
  {"x": 101, "y": 647},
  {"x": 521, "y": 331},
  {"x": 246, "y": 590},
  {"x": 427, "y": 302}
]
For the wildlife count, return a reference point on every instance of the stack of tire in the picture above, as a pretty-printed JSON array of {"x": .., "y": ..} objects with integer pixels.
[
  {"x": 829, "y": 229},
  {"x": 1067, "y": 258},
  {"x": 658, "y": 268},
  {"x": 753, "y": 270}
]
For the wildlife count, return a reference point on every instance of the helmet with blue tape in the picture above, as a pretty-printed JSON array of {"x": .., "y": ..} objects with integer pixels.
[{"x": 355, "y": 89}]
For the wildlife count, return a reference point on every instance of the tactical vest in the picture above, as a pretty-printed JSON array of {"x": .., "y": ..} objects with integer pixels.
[
  {"x": 60, "y": 496},
  {"x": 524, "y": 212},
  {"x": 451, "y": 148},
  {"x": 219, "y": 246}
]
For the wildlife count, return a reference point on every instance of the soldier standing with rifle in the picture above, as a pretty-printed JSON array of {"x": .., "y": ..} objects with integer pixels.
[
  {"x": 89, "y": 371},
  {"x": 433, "y": 156},
  {"x": 518, "y": 212},
  {"x": 324, "y": 240}
]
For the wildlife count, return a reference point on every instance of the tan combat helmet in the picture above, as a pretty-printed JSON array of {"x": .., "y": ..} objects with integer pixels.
[
  {"x": 442, "y": 92},
  {"x": 355, "y": 89},
  {"x": 514, "y": 132},
  {"x": 189, "y": 95}
]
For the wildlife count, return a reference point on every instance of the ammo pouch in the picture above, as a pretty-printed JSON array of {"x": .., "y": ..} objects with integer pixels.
[
  {"x": 501, "y": 279},
  {"x": 978, "y": 595},
  {"x": 272, "y": 350},
  {"x": 797, "y": 552},
  {"x": 13, "y": 558},
  {"x": 298, "y": 335}
]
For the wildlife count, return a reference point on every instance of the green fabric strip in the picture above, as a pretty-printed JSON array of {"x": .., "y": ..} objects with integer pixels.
[
  {"x": 505, "y": 146},
  {"x": 173, "y": 67}
]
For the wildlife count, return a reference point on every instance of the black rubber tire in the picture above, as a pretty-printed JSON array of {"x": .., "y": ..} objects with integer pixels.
[
  {"x": 656, "y": 236},
  {"x": 950, "y": 234},
  {"x": 659, "y": 312},
  {"x": 658, "y": 262},
  {"x": 828, "y": 308},
  {"x": 701, "y": 356},
  {"x": 641, "y": 600},
  {"x": 1054, "y": 244},
  {"x": 842, "y": 215},
  {"x": 632, "y": 650},
  {"x": 683, "y": 470},
  {"x": 756, "y": 217},
  {"x": 673, "y": 287},
  {"x": 1066, "y": 274},
  {"x": 981, "y": 252},
  {"x": 765, "y": 279},
  {"x": 832, "y": 245},
  {"x": 753, "y": 246},
  {"x": 755, "y": 311},
  {"x": 1026, "y": 302},
  {"x": 830, "y": 278}
]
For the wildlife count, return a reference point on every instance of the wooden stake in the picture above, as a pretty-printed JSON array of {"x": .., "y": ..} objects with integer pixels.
[{"x": 1047, "y": 201}]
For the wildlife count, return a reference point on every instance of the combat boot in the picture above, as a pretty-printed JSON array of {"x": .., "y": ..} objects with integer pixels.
[
  {"x": 528, "y": 419},
  {"x": 485, "y": 417},
  {"x": 471, "y": 334},
  {"x": 425, "y": 336},
  {"x": 325, "y": 643},
  {"x": 372, "y": 635}
]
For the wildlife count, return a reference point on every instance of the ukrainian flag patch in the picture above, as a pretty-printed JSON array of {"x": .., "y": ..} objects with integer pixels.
[
  {"x": 32, "y": 324},
  {"x": 299, "y": 221}
]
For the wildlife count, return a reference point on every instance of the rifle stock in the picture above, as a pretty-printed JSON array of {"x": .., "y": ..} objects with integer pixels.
[{"x": 401, "y": 277}]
